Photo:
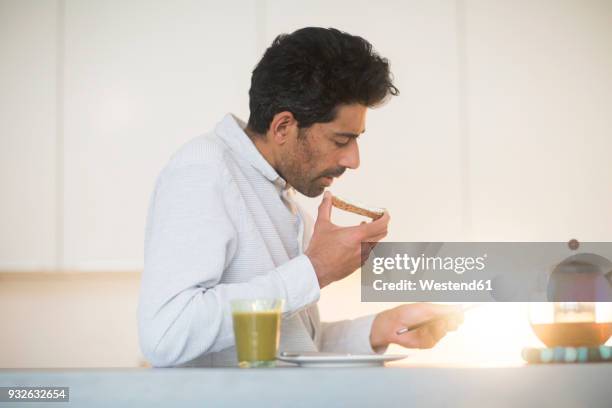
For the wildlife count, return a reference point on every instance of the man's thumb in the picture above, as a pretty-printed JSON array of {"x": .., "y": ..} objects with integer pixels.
[{"x": 325, "y": 207}]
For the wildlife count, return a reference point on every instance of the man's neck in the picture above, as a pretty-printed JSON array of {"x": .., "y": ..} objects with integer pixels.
[{"x": 262, "y": 146}]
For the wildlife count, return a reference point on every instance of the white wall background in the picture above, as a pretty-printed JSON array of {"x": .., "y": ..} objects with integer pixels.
[
  {"x": 502, "y": 131},
  {"x": 28, "y": 135}
]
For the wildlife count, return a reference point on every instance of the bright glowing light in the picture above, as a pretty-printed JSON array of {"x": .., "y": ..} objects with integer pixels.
[{"x": 492, "y": 335}]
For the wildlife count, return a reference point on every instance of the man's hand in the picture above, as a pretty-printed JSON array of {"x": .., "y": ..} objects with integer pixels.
[
  {"x": 387, "y": 323},
  {"x": 335, "y": 252}
]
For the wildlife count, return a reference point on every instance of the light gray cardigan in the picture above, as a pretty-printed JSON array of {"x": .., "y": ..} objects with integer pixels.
[{"x": 222, "y": 225}]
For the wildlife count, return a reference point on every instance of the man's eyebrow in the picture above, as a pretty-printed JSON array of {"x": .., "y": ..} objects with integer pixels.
[{"x": 348, "y": 134}]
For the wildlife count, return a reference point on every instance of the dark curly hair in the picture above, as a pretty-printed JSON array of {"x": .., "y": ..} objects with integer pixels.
[{"x": 312, "y": 71}]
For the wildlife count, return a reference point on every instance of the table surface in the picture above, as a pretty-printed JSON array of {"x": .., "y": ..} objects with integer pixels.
[{"x": 576, "y": 385}]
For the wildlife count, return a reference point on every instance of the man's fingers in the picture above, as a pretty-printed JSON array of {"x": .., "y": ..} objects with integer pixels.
[
  {"x": 325, "y": 208},
  {"x": 376, "y": 238},
  {"x": 373, "y": 245},
  {"x": 447, "y": 318},
  {"x": 366, "y": 249},
  {"x": 452, "y": 316},
  {"x": 376, "y": 227},
  {"x": 425, "y": 338},
  {"x": 430, "y": 335},
  {"x": 430, "y": 310},
  {"x": 453, "y": 323},
  {"x": 438, "y": 330}
]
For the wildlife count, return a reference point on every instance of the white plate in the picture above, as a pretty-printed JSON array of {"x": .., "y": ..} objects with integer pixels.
[{"x": 314, "y": 359}]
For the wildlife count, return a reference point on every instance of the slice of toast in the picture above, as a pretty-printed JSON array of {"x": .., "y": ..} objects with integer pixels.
[{"x": 374, "y": 213}]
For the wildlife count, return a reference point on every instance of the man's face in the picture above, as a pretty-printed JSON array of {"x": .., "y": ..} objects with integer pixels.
[{"x": 313, "y": 157}]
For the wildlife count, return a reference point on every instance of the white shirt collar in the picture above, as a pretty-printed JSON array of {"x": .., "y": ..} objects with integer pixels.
[{"x": 231, "y": 130}]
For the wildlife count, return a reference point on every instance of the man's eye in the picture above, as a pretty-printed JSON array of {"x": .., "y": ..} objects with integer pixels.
[{"x": 342, "y": 142}]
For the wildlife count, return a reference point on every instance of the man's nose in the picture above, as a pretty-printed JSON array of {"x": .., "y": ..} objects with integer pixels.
[{"x": 350, "y": 157}]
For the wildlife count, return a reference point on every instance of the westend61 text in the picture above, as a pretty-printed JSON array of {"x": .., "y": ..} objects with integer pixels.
[{"x": 431, "y": 285}]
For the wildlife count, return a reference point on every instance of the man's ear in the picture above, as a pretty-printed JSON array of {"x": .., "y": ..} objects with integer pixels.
[{"x": 282, "y": 127}]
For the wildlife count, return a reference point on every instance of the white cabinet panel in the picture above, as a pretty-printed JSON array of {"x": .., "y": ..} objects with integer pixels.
[
  {"x": 142, "y": 78},
  {"x": 411, "y": 162},
  {"x": 28, "y": 37},
  {"x": 540, "y": 119}
]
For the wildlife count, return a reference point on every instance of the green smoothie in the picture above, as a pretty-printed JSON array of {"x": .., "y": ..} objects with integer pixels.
[{"x": 257, "y": 336}]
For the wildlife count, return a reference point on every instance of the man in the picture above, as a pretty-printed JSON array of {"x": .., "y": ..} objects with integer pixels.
[{"x": 223, "y": 225}]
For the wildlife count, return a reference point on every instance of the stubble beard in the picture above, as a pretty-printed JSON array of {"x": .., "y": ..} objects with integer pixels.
[{"x": 297, "y": 170}]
